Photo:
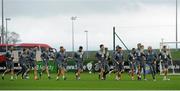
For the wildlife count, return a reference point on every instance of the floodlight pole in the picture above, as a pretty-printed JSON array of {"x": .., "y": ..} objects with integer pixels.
[
  {"x": 2, "y": 30},
  {"x": 87, "y": 55},
  {"x": 7, "y": 19},
  {"x": 114, "y": 39},
  {"x": 73, "y": 18},
  {"x": 176, "y": 24}
]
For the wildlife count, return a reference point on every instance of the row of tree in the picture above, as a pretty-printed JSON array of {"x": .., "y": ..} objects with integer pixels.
[{"x": 12, "y": 37}]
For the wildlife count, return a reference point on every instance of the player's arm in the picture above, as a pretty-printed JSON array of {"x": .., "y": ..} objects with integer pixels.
[
  {"x": 115, "y": 59},
  {"x": 83, "y": 57},
  {"x": 97, "y": 57},
  {"x": 75, "y": 57},
  {"x": 155, "y": 57},
  {"x": 130, "y": 58}
]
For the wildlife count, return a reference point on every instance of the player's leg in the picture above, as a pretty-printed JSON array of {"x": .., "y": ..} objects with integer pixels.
[
  {"x": 117, "y": 75},
  {"x": 24, "y": 68},
  {"x": 58, "y": 74},
  {"x": 101, "y": 74},
  {"x": 63, "y": 73},
  {"x": 59, "y": 71},
  {"x": 144, "y": 70},
  {"x": 40, "y": 72},
  {"x": 166, "y": 72},
  {"x": 77, "y": 70},
  {"x": 43, "y": 69},
  {"x": 26, "y": 72},
  {"x": 35, "y": 70},
  {"x": 106, "y": 70},
  {"x": 12, "y": 70},
  {"x": 101, "y": 71},
  {"x": 118, "y": 72},
  {"x": 8, "y": 69},
  {"x": 121, "y": 70},
  {"x": 20, "y": 71},
  {"x": 139, "y": 72},
  {"x": 138, "y": 69},
  {"x": 80, "y": 69},
  {"x": 132, "y": 71},
  {"x": 152, "y": 71},
  {"x": 78, "y": 74},
  {"x": 47, "y": 71}
]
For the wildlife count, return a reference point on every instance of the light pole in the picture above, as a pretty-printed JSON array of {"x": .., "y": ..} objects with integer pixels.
[
  {"x": 2, "y": 31},
  {"x": 7, "y": 19},
  {"x": 176, "y": 24},
  {"x": 87, "y": 55},
  {"x": 73, "y": 18}
]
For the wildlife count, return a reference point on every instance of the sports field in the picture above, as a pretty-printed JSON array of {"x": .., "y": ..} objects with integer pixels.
[{"x": 90, "y": 82}]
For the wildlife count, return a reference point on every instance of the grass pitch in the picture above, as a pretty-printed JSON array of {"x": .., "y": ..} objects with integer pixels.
[{"x": 89, "y": 82}]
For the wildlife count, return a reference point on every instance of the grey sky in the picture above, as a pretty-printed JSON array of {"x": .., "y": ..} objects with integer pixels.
[
  {"x": 48, "y": 21},
  {"x": 66, "y": 7}
]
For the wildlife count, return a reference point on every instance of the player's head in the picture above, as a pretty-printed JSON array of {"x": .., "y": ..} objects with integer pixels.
[
  {"x": 80, "y": 48},
  {"x": 117, "y": 47},
  {"x": 24, "y": 50},
  {"x": 11, "y": 48},
  {"x": 61, "y": 49},
  {"x": 149, "y": 48},
  {"x": 101, "y": 47},
  {"x": 120, "y": 49},
  {"x": 142, "y": 47},
  {"x": 164, "y": 48},
  {"x": 27, "y": 50},
  {"x": 139, "y": 45},
  {"x": 106, "y": 49},
  {"x": 133, "y": 50},
  {"x": 35, "y": 48},
  {"x": 47, "y": 49}
]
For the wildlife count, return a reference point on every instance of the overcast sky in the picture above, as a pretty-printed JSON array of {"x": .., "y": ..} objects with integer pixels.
[{"x": 48, "y": 21}]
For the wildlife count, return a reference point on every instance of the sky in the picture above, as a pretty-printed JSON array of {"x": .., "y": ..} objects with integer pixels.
[{"x": 49, "y": 21}]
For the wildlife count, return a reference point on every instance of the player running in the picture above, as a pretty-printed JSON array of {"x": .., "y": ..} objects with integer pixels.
[
  {"x": 140, "y": 61},
  {"x": 45, "y": 56},
  {"x": 132, "y": 62},
  {"x": 106, "y": 63},
  {"x": 32, "y": 61},
  {"x": 9, "y": 63},
  {"x": 165, "y": 59},
  {"x": 78, "y": 56},
  {"x": 151, "y": 57},
  {"x": 119, "y": 59},
  {"x": 22, "y": 64},
  {"x": 60, "y": 58},
  {"x": 100, "y": 56}
]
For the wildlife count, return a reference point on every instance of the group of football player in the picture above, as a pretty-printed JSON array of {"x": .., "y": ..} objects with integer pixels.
[{"x": 138, "y": 59}]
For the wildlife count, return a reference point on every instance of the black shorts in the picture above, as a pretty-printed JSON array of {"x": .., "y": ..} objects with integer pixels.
[
  {"x": 9, "y": 65},
  {"x": 79, "y": 65},
  {"x": 165, "y": 65},
  {"x": 61, "y": 65},
  {"x": 33, "y": 63},
  {"x": 119, "y": 67},
  {"x": 132, "y": 65},
  {"x": 45, "y": 62}
]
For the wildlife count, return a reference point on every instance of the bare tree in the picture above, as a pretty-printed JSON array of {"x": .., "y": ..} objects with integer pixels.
[{"x": 13, "y": 38}]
